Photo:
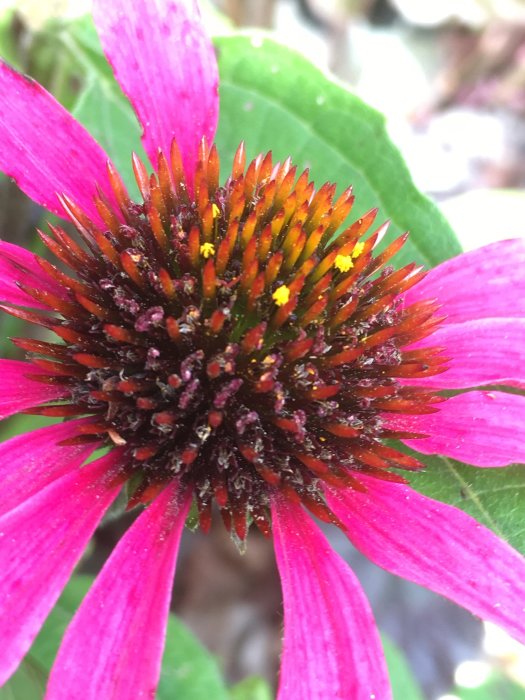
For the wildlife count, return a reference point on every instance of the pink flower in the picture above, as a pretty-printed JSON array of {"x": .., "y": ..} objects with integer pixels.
[{"x": 223, "y": 349}]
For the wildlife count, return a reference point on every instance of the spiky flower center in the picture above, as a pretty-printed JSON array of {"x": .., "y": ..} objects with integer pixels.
[{"x": 229, "y": 337}]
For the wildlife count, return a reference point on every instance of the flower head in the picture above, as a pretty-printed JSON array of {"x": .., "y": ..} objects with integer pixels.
[
  {"x": 230, "y": 345},
  {"x": 217, "y": 340}
]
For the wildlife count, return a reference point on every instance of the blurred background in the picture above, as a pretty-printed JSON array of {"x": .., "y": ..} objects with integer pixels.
[{"x": 449, "y": 75}]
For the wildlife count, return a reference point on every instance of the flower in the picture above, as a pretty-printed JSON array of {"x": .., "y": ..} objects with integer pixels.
[{"x": 224, "y": 350}]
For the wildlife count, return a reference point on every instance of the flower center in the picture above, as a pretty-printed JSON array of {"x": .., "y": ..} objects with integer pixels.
[{"x": 226, "y": 336}]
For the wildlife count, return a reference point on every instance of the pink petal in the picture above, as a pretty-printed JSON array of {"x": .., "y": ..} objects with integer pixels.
[
  {"x": 483, "y": 428},
  {"x": 331, "y": 647},
  {"x": 40, "y": 543},
  {"x": 9, "y": 290},
  {"x": 166, "y": 65},
  {"x": 483, "y": 283},
  {"x": 18, "y": 392},
  {"x": 113, "y": 646},
  {"x": 437, "y": 546},
  {"x": 18, "y": 265},
  {"x": 487, "y": 351},
  {"x": 47, "y": 151},
  {"x": 31, "y": 461}
]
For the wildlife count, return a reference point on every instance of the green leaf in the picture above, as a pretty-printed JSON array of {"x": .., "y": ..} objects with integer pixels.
[
  {"x": 28, "y": 683},
  {"x": 252, "y": 688},
  {"x": 188, "y": 670},
  {"x": 21, "y": 423},
  {"x": 8, "y": 45},
  {"x": 113, "y": 124},
  {"x": 495, "y": 497},
  {"x": 404, "y": 686},
  {"x": 275, "y": 99}
]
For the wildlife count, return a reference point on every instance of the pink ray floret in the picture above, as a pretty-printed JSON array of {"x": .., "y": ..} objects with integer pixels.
[
  {"x": 331, "y": 647},
  {"x": 18, "y": 265},
  {"x": 483, "y": 283},
  {"x": 47, "y": 152},
  {"x": 30, "y": 462},
  {"x": 178, "y": 99},
  {"x": 121, "y": 646},
  {"x": 483, "y": 428},
  {"x": 439, "y": 547},
  {"x": 18, "y": 391},
  {"x": 41, "y": 542},
  {"x": 484, "y": 351}
]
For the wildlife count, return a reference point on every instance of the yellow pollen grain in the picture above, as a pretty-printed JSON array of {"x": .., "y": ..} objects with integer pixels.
[
  {"x": 343, "y": 263},
  {"x": 215, "y": 211},
  {"x": 358, "y": 249},
  {"x": 281, "y": 295},
  {"x": 207, "y": 249}
]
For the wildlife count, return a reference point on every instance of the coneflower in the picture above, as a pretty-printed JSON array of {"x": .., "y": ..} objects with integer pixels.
[
  {"x": 219, "y": 337},
  {"x": 231, "y": 342}
]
